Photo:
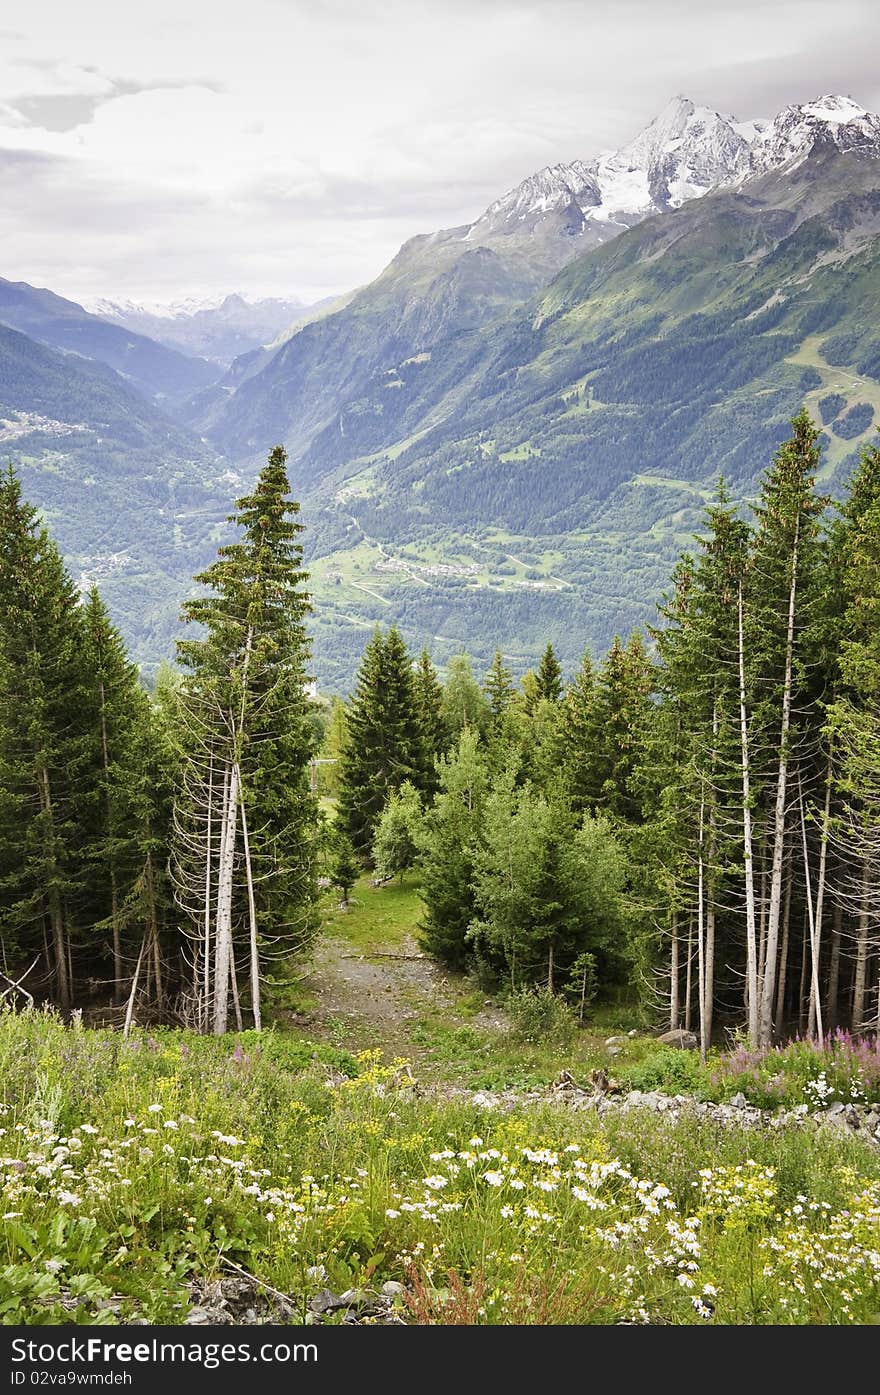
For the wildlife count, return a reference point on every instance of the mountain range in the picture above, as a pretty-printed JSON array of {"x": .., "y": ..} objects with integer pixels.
[
  {"x": 218, "y": 329},
  {"x": 508, "y": 435}
]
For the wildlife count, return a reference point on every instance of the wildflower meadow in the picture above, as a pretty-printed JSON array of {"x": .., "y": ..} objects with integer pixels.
[{"x": 133, "y": 1171}]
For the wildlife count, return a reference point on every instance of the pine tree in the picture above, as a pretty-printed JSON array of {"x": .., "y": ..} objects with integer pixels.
[
  {"x": 579, "y": 736},
  {"x": 500, "y": 692},
  {"x": 619, "y": 719},
  {"x": 549, "y": 676},
  {"x": 344, "y": 866},
  {"x": 546, "y": 891},
  {"x": 433, "y": 727},
  {"x": 44, "y": 743},
  {"x": 854, "y": 725},
  {"x": 452, "y": 833},
  {"x": 383, "y": 746},
  {"x": 117, "y": 705},
  {"x": 248, "y": 804},
  {"x": 783, "y": 560}
]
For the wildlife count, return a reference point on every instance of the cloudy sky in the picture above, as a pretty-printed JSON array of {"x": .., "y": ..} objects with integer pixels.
[{"x": 190, "y": 147}]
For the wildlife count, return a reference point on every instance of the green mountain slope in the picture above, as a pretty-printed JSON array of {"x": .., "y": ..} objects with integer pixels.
[
  {"x": 135, "y": 502},
  {"x": 556, "y": 461},
  {"x": 162, "y": 374}
]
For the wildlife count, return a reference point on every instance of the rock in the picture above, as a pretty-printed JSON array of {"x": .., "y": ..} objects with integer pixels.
[
  {"x": 197, "y": 1317},
  {"x": 836, "y": 1108},
  {"x": 613, "y": 1041},
  {"x": 326, "y": 1302},
  {"x": 685, "y": 1041},
  {"x": 392, "y": 1289},
  {"x": 633, "y": 1033},
  {"x": 739, "y": 1101},
  {"x": 614, "y": 1050}
]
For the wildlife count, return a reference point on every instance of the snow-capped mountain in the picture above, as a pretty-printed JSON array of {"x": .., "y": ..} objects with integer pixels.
[
  {"x": 830, "y": 121},
  {"x": 684, "y": 153},
  {"x": 218, "y": 328}
]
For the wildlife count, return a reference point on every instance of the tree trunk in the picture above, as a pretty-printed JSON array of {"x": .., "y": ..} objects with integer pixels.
[
  {"x": 114, "y": 890},
  {"x": 63, "y": 977},
  {"x": 233, "y": 984},
  {"x": 765, "y": 1023},
  {"x": 803, "y": 1006},
  {"x": 154, "y": 929},
  {"x": 209, "y": 858},
  {"x": 832, "y": 1010},
  {"x": 687, "y": 982},
  {"x": 762, "y": 923},
  {"x": 815, "y": 1000},
  {"x": 674, "y": 972},
  {"x": 701, "y": 962},
  {"x": 861, "y": 971},
  {"x": 252, "y": 918},
  {"x": 223, "y": 941},
  {"x": 129, "y": 1011},
  {"x": 749, "y": 871},
  {"x": 783, "y": 957},
  {"x": 814, "y": 1015}
]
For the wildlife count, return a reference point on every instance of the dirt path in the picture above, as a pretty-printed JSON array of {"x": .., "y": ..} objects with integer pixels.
[{"x": 374, "y": 996}]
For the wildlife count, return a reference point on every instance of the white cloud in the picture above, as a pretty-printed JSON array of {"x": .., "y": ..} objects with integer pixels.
[{"x": 292, "y": 145}]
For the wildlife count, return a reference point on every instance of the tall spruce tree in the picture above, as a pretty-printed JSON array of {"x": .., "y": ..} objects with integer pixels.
[
  {"x": 44, "y": 745},
  {"x": 117, "y": 705},
  {"x": 433, "y": 726},
  {"x": 452, "y": 834},
  {"x": 549, "y": 676},
  {"x": 500, "y": 691},
  {"x": 247, "y": 819},
  {"x": 579, "y": 737},
  {"x": 784, "y": 570},
  {"x": 383, "y": 743}
]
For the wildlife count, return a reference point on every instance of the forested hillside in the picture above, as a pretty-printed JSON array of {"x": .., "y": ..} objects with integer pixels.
[
  {"x": 582, "y": 435},
  {"x": 681, "y": 837},
  {"x": 694, "y": 817}
]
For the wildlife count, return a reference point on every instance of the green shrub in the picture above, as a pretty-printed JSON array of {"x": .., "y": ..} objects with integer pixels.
[
  {"x": 673, "y": 1071},
  {"x": 539, "y": 1015}
]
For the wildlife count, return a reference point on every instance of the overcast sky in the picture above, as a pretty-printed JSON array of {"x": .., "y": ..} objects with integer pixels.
[{"x": 189, "y": 147}]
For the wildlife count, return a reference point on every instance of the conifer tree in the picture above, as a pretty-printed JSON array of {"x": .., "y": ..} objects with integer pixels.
[
  {"x": 433, "y": 727},
  {"x": 44, "y": 742},
  {"x": 549, "y": 676},
  {"x": 452, "y": 833},
  {"x": 344, "y": 865},
  {"x": 619, "y": 718},
  {"x": 579, "y": 737},
  {"x": 246, "y": 832},
  {"x": 383, "y": 746},
  {"x": 784, "y": 559},
  {"x": 854, "y": 729},
  {"x": 500, "y": 692},
  {"x": 117, "y": 705}
]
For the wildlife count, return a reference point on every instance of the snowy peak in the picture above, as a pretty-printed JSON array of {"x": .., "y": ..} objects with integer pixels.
[
  {"x": 829, "y": 121},
  {"x": 683, "y": 153},
  {"x": 565, "y": 189}
]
